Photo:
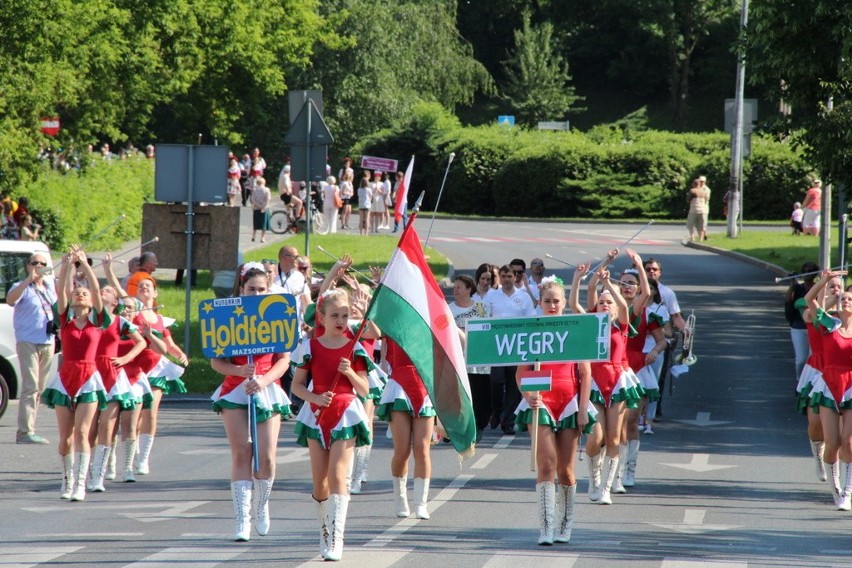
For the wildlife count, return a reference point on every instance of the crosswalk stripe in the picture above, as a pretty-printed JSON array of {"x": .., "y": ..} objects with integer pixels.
[
  {"x": 374, "y": 558},
  {"x": 190, "y": 557},
  {"x": 526, "y": 559},
  {"x": 28, "y": 556},
  {"x": 673, "y": 563}
]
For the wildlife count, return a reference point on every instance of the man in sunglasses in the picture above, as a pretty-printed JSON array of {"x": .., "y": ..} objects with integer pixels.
[
  {"x": 33, "y": 320},
  {"x": 522, "y": 282},
  {"x": 506, "y": 302}
]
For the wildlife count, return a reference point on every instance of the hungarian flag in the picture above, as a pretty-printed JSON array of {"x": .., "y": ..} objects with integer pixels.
[
  {"x": 402, "y": 193},
  {"x": 409, "y": 307}
]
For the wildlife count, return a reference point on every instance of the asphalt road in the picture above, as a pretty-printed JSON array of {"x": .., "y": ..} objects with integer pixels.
[{"x": 726, "y": 480}]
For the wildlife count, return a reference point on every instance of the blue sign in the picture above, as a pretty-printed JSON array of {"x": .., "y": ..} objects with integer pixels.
[
  {"x": 248, "y": 325},
  {"x": 506, "y": 120}
]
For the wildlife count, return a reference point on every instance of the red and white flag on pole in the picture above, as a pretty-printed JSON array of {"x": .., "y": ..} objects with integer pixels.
[{"x": 402, "y": 193}]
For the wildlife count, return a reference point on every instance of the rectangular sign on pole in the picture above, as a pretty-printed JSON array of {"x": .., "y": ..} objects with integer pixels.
[
  {"x": 554, "y": 125},
  {"x": 380, "y": 164},
  {"x": 549, "y": 339},
  {"x": 248, "y": 325}
]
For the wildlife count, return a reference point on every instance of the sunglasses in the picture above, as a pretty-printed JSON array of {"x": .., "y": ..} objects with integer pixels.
[
  {"x": 38, "y": 263},
  {"x": 537, "y": 264},
  {"x": 518, "y": 271}
]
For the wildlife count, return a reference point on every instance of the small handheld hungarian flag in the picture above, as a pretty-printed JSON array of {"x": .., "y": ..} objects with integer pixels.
[{"x": 535, "y": 381}]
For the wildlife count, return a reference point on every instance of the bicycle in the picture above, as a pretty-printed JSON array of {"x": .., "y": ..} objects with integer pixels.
[{"x": 280, "y": 221}]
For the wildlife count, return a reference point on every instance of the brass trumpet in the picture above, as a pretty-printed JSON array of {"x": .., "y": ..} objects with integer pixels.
[{"x": 686, "y": 355}]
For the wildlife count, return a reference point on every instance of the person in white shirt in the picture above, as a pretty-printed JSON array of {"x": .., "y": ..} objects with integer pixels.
[{"x": 507, "y": 302}]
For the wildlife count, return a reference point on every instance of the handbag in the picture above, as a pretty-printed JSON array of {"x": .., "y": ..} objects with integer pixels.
[{"x": 338, "y": 203}]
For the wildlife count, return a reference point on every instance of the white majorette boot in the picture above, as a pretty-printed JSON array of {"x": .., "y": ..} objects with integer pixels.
[
  {"x": 845, "y": 503},
  {"x": 546, "y": 509},
  {"x": 356, "y": 470},
  {"x": 834, "y": 481},
  {"x": 400, "y": 496},
  {"x": 262, "y": 491},
  {"x": 818, "y": 450},
  {"x": 618, "y": 484},
  {"x": 110, "y": 472},
  {"x": 632, "y": 458},
  {"x": 595, "y": 476},
  {"x": 564, "y": 520},
  {"x": 99, "y": 467},
  {"x": 336, "y": 521},
  {"x": 610, "y": 469},
  {"x": 367, "y": 450},
  {"x": 241, "y": 495},
  {"x": 67, "y": 476},
  {"x": 421, "y": 496},
  {"x": 81, "y": 471},
  {"x": 129, "y": 455},
  {"x": 146, "y": 441},
  {"x": 322, "y": 517}
]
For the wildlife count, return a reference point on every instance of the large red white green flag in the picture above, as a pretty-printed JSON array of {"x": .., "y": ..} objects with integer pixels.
[{"x": 409, "y": 307}]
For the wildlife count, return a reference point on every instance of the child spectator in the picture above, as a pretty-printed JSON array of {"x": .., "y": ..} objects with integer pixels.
[{"x": 796, "y": 218}]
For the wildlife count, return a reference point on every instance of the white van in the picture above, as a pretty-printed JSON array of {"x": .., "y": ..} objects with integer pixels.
[{"x": 14, "y": 256}]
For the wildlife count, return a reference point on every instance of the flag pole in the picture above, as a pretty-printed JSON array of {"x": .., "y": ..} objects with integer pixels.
[
  {"x": 440, "y": 193},
  {"x": 534, "y": 432}
]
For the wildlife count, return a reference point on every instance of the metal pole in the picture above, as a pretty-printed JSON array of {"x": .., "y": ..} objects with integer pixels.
[
  {"x": 737, "y": 136},
  {"x": 188, "y": 269},
  {"x": 308, "y": 215},
  {"x": 440, "y": 193},
  {"x": 825, "y": 213}
]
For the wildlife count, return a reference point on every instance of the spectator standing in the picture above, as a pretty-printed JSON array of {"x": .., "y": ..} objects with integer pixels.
[
  {"x": 347, "y": 191},
  {"x": 33, "y": 320},
  {"x": 505, "y": 302},
  {"x": 260, "y": 209},
  {"x": 697, "y": 199},
  {"x": 29, "y": 232},
  {"x": 796, "y": 218},
  {"x": 706, "y": 216},
  {"x": 386, "y": 195},
  {"x": 233, "y": 181},
  {"x": 812, "y": 206},
  {"x": 21, "y": 211},
  {"x": 377, "y": 207},
  {"x": 147, "y": 265},
  {"x": 331, "y": 202},
  {"x": 365, "y": 200},
  {"x": 245, "y": 167}
]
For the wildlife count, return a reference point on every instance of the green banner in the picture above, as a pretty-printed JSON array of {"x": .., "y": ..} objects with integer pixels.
[{"x": 547, "y": 339}]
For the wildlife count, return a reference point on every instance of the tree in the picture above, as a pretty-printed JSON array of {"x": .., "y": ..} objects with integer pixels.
[
  {"x": 800, "y": 53},
  {"x": 537, "y": 79},
  {"x": 396, "y": 54}
]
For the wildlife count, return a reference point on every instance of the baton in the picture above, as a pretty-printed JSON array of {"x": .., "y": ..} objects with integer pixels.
[
  {"x": 355, "y": 270},
  {"x": 627, "y": 242},
  {"x": 565, "y": 262}
]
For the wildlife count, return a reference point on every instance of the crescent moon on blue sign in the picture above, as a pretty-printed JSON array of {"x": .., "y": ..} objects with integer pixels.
[{"x": 268, "y": 301}]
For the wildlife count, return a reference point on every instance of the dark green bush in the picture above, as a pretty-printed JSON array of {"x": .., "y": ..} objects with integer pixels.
[{"x": 512, "y": 171}]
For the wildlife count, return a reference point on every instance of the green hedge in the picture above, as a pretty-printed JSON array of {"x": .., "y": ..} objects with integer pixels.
[
  {"x": 512, "y": 171},
  {"x": 75, "y": 206}
]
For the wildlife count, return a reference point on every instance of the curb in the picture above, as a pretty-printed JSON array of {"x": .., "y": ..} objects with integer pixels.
[{"x": 780, "y": 271}]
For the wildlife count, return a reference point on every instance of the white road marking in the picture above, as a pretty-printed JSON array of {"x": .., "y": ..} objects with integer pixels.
[
  {"x": 168, "y": 510},
  {"x": 28, "y": 556},
  {"x": 403, "y": 525},
  {"x": 703, "y": 419},
  {"x": 206, "y": 451},
  {"x": 526, "y": 559},
  {"x": 693, "y": 523},
  {"x": 672, "y": 563},
  {"x": 293, "y": 456},
  {"x": 503, "y": 442},
  {"x": 176, "y": 511},
  {"x": 109, "y": 535},
  {"x": 372, "y": 558},
  {"x": 699, "y": 463},
  {"x": 190, "y": 557},
  {"x": 484, "y": 461}
]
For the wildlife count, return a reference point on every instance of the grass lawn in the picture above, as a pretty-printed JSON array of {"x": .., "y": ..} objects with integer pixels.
[
  {"x": 372, "y": 251},
  {"x": 777, "y": 247}
]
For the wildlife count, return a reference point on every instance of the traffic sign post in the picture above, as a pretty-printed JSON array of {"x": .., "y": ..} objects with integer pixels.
[
  {"x": 308, "y": 133},
  {"x": 525, "y": 341}
]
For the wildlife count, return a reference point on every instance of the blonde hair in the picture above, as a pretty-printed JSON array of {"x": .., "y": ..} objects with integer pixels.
[
  {"x": 335, "y": 295},
  {"x": 552, "y": 285}
]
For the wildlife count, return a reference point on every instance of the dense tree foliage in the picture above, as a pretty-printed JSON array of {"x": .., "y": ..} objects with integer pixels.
[
  {"x": 537, "y": 79},
  {"x": 800, "y": 53}
]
